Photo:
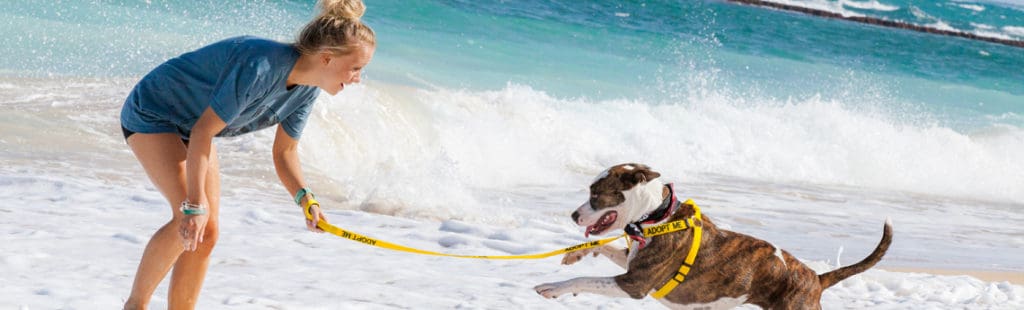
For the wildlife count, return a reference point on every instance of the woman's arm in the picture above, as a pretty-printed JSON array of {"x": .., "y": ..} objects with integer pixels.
[
  {"x": 200, "y": 143},
  {"x": 289, "y": 170},
  {"x": 197, "y": 162}
]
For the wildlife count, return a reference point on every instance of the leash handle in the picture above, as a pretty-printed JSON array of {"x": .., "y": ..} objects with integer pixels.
[
  {"x": 309, "y": 202},
  {"x": 309, "y": 205}
]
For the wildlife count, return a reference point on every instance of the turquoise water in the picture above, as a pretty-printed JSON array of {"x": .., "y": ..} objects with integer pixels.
[
  {"x": 654, "y": 49},
  {"x": 657, "y": 50}
]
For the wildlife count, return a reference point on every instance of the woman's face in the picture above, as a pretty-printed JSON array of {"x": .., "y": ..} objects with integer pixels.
[{"x": 338, "y": 70}]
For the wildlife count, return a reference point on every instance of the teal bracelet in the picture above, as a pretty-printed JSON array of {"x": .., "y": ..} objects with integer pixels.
[
  {"x": 192, "y": 209},
  {"x": 302, "y": 193},
  {"x": 200, "y": 211}
]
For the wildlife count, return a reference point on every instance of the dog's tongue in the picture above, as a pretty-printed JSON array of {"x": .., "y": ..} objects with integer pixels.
[
  {"x": 586, "y": 234},
  {"x": 603, "y": 222}
]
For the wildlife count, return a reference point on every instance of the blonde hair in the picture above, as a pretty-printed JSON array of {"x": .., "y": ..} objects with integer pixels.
[{"x": 336, "y": 29}]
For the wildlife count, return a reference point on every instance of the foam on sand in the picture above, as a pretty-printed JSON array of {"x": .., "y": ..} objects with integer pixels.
[{"x": 74, "y": 248}]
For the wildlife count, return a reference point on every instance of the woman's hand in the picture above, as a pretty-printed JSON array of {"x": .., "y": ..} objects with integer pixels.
[
  {"x": 317, "y": 214},
  {"x": 192, "y": 229}
]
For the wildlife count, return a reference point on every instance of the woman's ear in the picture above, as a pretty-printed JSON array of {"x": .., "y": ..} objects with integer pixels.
[{"x": 325, "y": 58}]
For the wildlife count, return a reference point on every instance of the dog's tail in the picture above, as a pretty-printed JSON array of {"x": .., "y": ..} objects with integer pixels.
[{"x": 832, "y": 277}]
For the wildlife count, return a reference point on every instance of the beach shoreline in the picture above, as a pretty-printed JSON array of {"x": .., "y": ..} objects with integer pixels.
[{"x": 1014, "y": 277}]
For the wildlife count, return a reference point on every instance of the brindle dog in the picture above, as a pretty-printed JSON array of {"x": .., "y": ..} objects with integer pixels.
[{"x": 730, "y": 268}]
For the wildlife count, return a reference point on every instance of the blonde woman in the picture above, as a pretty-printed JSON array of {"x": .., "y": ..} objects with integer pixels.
[{"x": 229, "y": 88}]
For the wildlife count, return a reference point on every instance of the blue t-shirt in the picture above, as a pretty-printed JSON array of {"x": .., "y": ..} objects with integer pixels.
[{"x": 243, "y": 79}]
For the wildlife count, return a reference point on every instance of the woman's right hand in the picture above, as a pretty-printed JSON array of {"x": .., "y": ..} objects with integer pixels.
[
  {"x": 317, "y": 215},
  {"x": 192, "y": 229}
]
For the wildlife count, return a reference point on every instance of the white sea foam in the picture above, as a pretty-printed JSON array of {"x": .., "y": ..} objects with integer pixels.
[
  {"x": 823, "y": 5},
  {"x": 989, "y": 31},
  {"x": 869, "y": 5},
  {"x": 972, "y": 7},
  {"x": 460, "y": 140},
  {"x": 982, "y": 26},
  {"x": 992, "y": 34},
  {"x": 1014, "y": 30},
  {"x": 388, "y": 146},
  {"x": 1010, "y": 117},
  {"x": 941, "y": 25}
]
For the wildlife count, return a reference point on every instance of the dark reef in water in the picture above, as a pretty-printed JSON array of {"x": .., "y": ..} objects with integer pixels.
[{"x": 879, "y": 22}]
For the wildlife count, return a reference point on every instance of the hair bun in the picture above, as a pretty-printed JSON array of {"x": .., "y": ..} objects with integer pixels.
[{"x": 347, "y": 9}]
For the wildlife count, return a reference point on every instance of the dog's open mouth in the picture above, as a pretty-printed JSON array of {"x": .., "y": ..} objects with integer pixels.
[{"x": 602, "y": 224}]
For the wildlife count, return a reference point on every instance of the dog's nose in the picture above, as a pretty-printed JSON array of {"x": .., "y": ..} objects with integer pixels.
[{"x": 576, "y": 216}]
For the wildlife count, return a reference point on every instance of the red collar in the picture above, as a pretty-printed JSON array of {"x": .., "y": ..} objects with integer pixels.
[{"x": 667, "y": 208}]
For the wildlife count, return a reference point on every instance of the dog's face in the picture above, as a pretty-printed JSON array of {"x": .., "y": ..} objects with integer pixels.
[{"x": 618, "y": 196}]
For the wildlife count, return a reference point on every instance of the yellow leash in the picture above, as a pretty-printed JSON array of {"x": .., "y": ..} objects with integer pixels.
[
  {"x": 338, "y": 231},
  {"x": 650, "y": 231}
]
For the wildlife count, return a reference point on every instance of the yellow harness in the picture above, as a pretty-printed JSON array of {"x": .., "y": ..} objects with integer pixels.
[
  {"x": 655, "y": 230},
  {"x": 692, "y": 222}
]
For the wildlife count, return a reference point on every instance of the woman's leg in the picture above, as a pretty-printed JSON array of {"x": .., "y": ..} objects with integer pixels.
[{"x": 163, "y": 158}]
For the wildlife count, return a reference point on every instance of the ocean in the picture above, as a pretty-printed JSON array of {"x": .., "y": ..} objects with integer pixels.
[{"x": 805, "y": 131}]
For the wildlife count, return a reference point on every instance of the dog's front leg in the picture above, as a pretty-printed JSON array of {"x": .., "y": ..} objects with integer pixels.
[
  {"x": 596, "y": 285},
  {"x": 617, "y": 255}
]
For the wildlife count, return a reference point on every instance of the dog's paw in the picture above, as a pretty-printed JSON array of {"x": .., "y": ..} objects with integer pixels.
[
  {"x": 574, "y": 257},
  {"x": 550, "y": 290}
]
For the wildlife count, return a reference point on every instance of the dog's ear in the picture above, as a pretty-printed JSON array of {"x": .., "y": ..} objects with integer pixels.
[
  {"x": 648, "y": 174},
  {"x": 641, "y": 174}
]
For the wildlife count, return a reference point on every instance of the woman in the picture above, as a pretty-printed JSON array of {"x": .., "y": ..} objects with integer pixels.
[{"x": 229, "y": 88}]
